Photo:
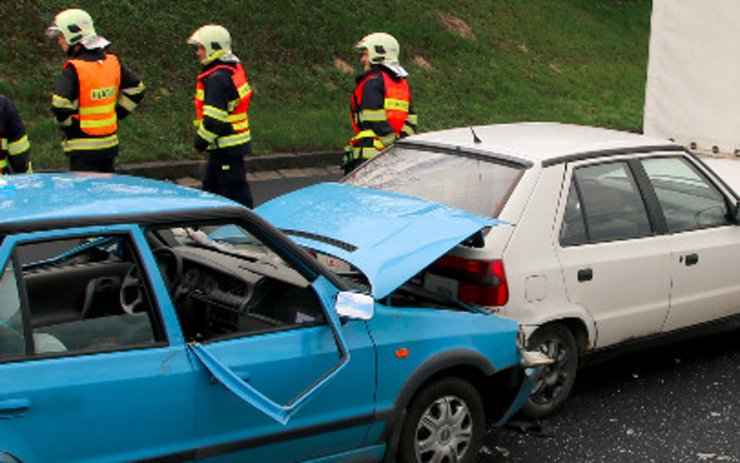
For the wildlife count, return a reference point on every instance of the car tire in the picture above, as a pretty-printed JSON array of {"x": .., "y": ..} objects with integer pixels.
[
  {"x": 445, "y": 419},
  {"x": 557, "y": 379}
]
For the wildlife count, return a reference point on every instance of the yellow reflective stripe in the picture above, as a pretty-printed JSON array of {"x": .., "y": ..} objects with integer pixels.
[
  {"x": 109, "y": 108},
  {"x": 3, "y": 163},
  {"x": 372, "y": 115},
  {"x": 29, "y": 170},
  {"x": 200, "y": 94},
  {"x": 396, "y": 105},
  {"x": 205, "y": 134},
  {"x": 364, "y": 134},
  {"x": 63, "y": 103},
  {"x": 231, "y": 140},
  {"x": 91, "y": 123},
  {"x": 66, "y": 122},
  {"x": 240, "y": 126},
  {"x": 134, "y": 90},
  {"x": 407, "y": 130},
  {"x": 244, "y": 90},
  {"x": 364, "y": 153},
  {"x": 412, "y": 119},
  {"x": 19, "y": 146},
  {"x": 388, "y": 140},
  {"x": 215, "y": 113},
  {"x": 126, "y": 103},
  {"x": 73, "y": 144},
  {"x": 237, "y": 117},
  {"x": 3, "y": 144}
]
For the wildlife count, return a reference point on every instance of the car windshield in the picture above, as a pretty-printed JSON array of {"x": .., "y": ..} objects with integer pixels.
[{"x": 468, "y": 182}]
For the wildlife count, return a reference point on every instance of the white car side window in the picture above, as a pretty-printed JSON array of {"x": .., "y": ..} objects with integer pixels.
[
  {"x": 688, "y": 201},
  {"x": 604, "y": 204}
]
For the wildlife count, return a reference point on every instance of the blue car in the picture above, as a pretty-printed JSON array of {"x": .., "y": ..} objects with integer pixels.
[{"x": 143, "y": 321}]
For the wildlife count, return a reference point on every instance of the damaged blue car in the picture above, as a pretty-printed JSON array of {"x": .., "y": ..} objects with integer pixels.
[{"x": 143, "y": 321}]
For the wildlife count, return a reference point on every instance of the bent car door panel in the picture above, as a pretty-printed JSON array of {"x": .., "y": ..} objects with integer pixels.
[
  {"x": 301, "y": 364},
  {"x": 109, "y": 402}
]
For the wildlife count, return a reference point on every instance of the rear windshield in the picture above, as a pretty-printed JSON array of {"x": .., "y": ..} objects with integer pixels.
[{"x": 467, "y": 182}]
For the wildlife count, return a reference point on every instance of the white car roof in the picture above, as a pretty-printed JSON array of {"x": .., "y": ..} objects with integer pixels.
[{"x": 539, "y": 142}]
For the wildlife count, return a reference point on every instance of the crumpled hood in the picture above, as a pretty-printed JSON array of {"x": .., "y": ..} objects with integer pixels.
[{"x": 389, "y": 237}]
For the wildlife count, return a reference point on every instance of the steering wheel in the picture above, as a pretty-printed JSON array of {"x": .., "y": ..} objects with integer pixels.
[
  {"x": 132, "y": 290},
  {"x": 170, "y": 267}
]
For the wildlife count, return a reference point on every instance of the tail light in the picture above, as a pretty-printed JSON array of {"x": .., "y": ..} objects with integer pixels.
[{"x": 480, "y": 282}]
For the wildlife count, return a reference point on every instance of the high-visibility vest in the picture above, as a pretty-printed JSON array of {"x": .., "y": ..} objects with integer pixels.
[
  {"x": 396, "y": 103},
  {"x": 14, "y": 148},
  {"x": 237, "y": 108},
  {"x": 99, "y": 83}
]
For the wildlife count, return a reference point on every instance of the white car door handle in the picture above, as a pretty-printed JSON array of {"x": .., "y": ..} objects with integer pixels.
[
  {"x": 585, "y": 274},
  {"x": 691, "y": 259}
]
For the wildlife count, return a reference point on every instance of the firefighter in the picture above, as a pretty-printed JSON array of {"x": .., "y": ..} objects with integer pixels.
[
  {"x": 222, "y": 99},
  {"x": 14, "y": 146},
  {"x": 380, "y": 107},
  {"x": 93, "y": 93}
]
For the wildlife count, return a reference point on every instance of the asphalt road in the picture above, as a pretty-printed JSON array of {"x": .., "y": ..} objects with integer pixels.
[
  {"x": 678, "y": 403},
  {"x": 272, "y": 186}
]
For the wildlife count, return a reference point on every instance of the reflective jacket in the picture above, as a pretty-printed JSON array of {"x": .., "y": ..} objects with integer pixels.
[
  {"x": 14, "y": 145},
  {"x": 94, "y": 92},
  {"x": 99, "y": 84},
  {"x": 222, "y": 97},
  {"x": 380, "y": 112}
]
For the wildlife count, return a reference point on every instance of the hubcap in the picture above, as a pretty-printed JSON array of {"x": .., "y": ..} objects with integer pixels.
[
  {"x": 444, "y": 431},
  {"x": 556, "y": 375}
]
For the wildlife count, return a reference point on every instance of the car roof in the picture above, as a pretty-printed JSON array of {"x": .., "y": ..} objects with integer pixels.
[
  {"x": 540, "y": 142},
  {"x": 75, "y": 198}
]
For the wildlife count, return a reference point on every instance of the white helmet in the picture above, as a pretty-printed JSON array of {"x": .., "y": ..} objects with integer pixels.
[
  {"x": 215, "y": 39},
  {"x": 381, "y": 48},
  {"x": 74, "y": 24}
]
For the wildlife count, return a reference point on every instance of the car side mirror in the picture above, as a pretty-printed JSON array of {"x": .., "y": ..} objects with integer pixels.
[{"x": 354, "y": 306}]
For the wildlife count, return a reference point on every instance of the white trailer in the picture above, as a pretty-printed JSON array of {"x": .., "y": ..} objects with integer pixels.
[{"x": 693, "y": 81}]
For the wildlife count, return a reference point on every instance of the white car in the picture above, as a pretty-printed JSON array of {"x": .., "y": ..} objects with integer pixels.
[{"x": 608, "y": 238}]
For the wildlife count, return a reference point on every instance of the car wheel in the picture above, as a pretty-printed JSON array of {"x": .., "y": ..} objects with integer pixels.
[
  {"x": 445, "y": 423},
  {"x": 557, "y": 379}
]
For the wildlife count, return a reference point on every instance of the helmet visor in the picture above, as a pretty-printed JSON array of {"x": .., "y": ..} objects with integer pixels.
[{"x": 53, "y": 31}]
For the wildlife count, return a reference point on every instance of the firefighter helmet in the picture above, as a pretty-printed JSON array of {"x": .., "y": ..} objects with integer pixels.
[
  {"x": 381, "y": 48},
  {"x": 215, "y": 39},
  {"x": 74, "y": 24}
]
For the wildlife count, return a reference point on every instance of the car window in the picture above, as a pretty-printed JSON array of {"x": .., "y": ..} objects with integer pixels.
[
  {"x": 85, "y": 294},
  {"x": 226, "y": 283},
  {"x": 12, "y": 337},
  {"x": 604, "y": 204},
  {"x": 688, "y": 200},
  {"x": 478, "y": 186}
]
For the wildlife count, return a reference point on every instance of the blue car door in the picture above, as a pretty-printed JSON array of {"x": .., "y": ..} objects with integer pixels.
[
  {"x": 290, "y": 392},
  {"x": 83, "y": 376}
]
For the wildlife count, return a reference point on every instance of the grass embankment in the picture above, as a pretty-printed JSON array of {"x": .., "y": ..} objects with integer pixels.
[{"x": 471, "y": 62}]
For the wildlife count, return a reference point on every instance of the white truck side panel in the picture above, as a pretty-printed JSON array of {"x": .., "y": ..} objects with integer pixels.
[{"x": 693, "y": 82}]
